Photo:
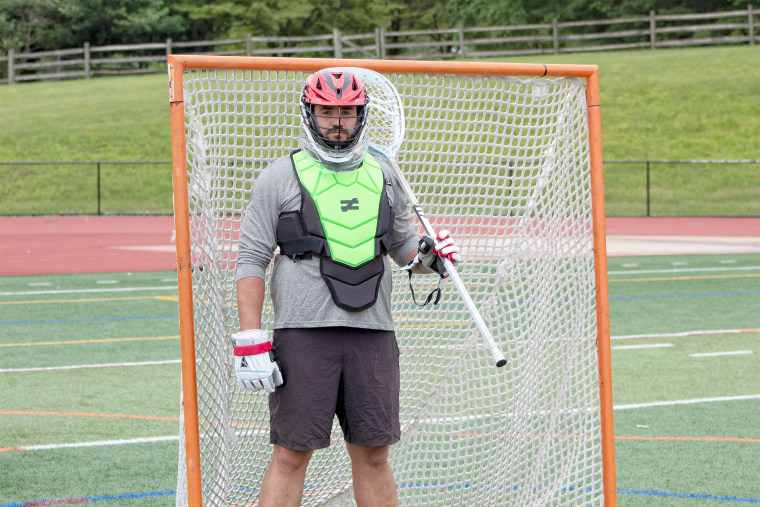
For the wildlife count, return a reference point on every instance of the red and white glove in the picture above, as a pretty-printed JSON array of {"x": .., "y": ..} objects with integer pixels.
[
  {"x": 255, "y": 367},
  {"x": 431, "y": 252}
]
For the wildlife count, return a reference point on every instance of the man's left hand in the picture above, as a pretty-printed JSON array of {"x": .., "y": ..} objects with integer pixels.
[{"x": 432, "y": 251}]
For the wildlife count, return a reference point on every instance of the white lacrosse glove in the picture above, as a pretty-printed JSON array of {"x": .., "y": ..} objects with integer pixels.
[
  {"x": 433, "y": 251},
  {"x": 255, "y": 366}
]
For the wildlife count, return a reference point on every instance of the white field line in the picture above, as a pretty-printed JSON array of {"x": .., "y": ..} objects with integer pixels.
[
  {"x": 89, "y": 366},
  {"x": 81, "y": 291},
  {"x": 682, "y": 270},
  {"x": 650, "y": 346},
  {"x": 174, "y": 437},
  {"x": 146, "y": 440},
  {"x": 715, "y": 354},
  {"x": 686, "y": 402},
  {"x": 685, "y": 333}
]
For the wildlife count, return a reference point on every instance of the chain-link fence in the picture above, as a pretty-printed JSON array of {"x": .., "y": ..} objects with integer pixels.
[{"x": 632, "y": 187}]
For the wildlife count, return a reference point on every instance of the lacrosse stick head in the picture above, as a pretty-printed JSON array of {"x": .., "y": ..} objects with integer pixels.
[{"x": 384, "y": 129}]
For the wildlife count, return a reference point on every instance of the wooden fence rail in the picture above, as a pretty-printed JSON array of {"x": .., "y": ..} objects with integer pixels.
[{"x": 653, "y": 31}]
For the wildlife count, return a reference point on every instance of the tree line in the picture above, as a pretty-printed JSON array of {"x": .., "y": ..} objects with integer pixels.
[{"x": 39, "y": 25}]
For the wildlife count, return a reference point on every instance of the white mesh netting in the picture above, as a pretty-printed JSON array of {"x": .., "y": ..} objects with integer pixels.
[{"x": 503, "y": 163}]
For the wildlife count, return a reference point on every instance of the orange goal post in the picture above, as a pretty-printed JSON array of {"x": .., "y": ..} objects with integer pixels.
[{"x": 508, "y": 157}]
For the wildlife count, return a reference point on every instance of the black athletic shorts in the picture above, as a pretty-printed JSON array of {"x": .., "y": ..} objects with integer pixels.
[{"x": 349, "y": 372}]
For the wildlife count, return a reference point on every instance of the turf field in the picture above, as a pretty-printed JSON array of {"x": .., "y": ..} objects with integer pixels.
[{"x": 89, "y": 384}]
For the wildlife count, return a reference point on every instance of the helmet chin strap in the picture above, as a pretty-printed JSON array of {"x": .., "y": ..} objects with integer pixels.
[{"x": 334, "y": 160}]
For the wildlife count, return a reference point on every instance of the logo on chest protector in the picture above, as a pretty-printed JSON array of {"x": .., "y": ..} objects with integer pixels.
[{"x": 350, "y": 205}]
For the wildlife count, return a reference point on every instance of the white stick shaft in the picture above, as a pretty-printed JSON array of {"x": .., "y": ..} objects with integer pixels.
[{"x": 469, "y": 303}]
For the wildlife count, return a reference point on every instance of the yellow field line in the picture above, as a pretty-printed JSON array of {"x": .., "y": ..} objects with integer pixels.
[
  {"x": 671, "y": 278},
  {"x": 89, "y": 300},
  {"x": 100, "y": 340}
]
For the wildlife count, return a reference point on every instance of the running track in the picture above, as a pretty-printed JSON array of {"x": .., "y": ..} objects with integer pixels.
[{"x": 59, "y": 245}]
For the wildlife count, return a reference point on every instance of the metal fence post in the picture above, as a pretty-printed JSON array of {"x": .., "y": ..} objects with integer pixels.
[
  {"x": 11, "y": 69},
  {"x": 652, "y": 30},
  {"x": 168, "y": 46},
  {"x": 100, "y": 211},
  {"x": 648, "y": 188},
  {"x": 248, "y": 43}
]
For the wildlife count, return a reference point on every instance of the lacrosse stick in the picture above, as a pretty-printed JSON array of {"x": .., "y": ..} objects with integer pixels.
[{"x": 385, "y": 132}]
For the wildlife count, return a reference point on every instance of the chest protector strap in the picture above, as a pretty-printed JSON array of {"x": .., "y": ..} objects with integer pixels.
[{"x": 346, "y": 220}]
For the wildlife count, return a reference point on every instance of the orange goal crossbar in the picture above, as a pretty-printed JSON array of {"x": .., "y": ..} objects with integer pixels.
[{"x": 177, "y": 64}]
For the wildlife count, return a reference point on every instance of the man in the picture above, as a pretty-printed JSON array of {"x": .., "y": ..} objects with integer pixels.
[{"x": 337, "y": 214}]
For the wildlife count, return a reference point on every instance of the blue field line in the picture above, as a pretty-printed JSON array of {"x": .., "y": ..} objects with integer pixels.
[
  {"x": 696, "y": 496},
  {"x": 66, "y": 321},
  {"x": 85, "y": 499},
  {"x": 136, "y": 496},
  {"x": 709, "y": 294}
]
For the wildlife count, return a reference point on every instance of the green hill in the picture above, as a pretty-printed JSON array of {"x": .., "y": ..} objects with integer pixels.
[{"x": 666, "y": 104}]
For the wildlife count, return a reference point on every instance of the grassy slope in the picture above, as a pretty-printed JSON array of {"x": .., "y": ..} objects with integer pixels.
[
  {"x": 124, "y": 118},
  {"x": 666, "y": 104},
  {"x": 679, "y": 103}
]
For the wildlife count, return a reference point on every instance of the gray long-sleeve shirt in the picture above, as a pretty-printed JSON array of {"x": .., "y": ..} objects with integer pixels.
[{"x": 301, "y": 298}]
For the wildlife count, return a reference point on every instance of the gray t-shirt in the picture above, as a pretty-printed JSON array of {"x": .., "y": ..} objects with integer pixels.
[{"x": 300, "y": 296}]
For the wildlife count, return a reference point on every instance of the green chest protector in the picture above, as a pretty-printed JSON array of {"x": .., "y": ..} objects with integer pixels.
[{"x": 346, "y": 219}]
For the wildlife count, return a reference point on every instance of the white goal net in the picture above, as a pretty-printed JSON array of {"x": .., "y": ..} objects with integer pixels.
[{"x": 503, "y": 163}]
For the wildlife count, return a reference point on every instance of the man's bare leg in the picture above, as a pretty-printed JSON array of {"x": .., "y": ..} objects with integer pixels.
[
  {"x": 284, "y": 478},
  {"x": 373, "y": 479}
]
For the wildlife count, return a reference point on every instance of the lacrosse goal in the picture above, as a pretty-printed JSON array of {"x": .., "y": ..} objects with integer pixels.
[{"x": 508, "y": 158}]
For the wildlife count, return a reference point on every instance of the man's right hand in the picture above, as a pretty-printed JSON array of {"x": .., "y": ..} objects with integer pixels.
[{"x": 255, "y": 366}]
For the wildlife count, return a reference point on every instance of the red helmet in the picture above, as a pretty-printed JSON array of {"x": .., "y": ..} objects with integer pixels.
[{"x": 333, "y": 88}]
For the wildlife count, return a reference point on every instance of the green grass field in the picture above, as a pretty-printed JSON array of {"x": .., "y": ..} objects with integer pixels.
[
  {"x": 697, "y": 103},
  {"x": 686, "y": 425}
]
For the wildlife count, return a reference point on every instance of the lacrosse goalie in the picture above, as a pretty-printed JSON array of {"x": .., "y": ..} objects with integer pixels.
[{"x": 337, "y": 214}]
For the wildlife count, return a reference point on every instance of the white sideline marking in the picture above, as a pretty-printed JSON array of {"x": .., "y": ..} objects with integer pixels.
[
  {"x": 88, "y": 366},
  {"x": 683, "y": 270},
  {"x": 107, "y": 281},
  {"x": 685, "y": 333},
  {"x": 679, "y": 263},
  {"x": 728, "y": 262},
  {"x": 38, "y": 284},
  {"x": 686, "y": 402},
  {"x": 715, "y": 354},
  {"x": 146, "y": 440},
  {"x": 147, "y": 248},
  {"x": 79, "y": 291},
  {"x": 650, "y": 346}
]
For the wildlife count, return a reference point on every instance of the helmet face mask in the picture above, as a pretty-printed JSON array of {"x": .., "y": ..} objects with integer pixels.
[
  {"x": 334, "y": 110},
  {"x": 336, "y": 127}
]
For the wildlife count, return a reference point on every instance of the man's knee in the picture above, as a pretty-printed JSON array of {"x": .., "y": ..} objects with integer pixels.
[
  {"x": 288, "y": 461},
  {"x": 373, "y": 457}
]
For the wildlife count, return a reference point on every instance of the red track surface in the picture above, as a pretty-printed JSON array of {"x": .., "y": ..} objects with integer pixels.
[
  {"x": 52, "y": 245},
  {"x": 683, "y": 226}
]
